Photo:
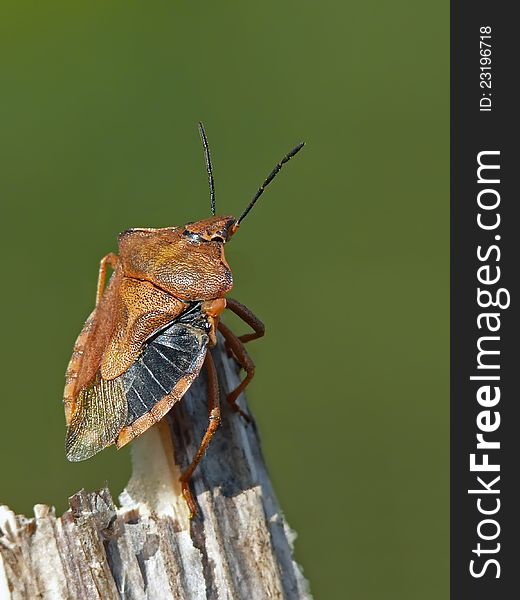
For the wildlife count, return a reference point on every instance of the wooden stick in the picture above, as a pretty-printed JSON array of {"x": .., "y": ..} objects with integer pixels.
[{"x": 237, "y": 547}]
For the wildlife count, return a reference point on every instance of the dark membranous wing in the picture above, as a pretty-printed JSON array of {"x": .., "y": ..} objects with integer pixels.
[
  {"x": 167, "y": 357},
  {"x": 107, "y": 406}
]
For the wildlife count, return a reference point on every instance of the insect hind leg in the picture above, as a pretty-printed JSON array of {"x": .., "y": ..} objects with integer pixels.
[{"x": 112, "y": 260}]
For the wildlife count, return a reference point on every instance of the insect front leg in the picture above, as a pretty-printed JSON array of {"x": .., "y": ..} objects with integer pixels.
[
  {"x": 236, "y": 345},
  {"x": 248, "y": 317},
  {"x": 214, "y": 421},
  {"x": 112, "y": 260}
]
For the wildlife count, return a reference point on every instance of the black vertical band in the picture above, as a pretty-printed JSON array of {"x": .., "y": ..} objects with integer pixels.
[{"x": 485, "y": 359}]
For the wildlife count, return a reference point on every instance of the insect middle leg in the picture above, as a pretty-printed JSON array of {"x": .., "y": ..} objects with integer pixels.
[
  {"x": 236, "y": 346},
  {"x": 214, "y": 420}
]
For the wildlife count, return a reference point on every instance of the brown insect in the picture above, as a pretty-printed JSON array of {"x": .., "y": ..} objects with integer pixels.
[{"x": 148, "y": 336}]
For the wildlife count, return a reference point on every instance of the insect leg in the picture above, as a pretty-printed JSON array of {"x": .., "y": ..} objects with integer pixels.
[
  {"x": 248, "y": 317},
  {"x": 214, "y": 420},
  {"x": 236, "y": 346},
  {"x": 112, "y": 260}
]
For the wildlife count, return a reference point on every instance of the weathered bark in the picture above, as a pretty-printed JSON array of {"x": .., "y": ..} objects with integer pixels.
[{"x": 237, "y": 547}]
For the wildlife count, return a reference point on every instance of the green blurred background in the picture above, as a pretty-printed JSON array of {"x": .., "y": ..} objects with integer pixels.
[{"x": 345, "y": 258}]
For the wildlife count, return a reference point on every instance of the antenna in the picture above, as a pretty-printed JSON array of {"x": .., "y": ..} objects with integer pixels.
[
  {"x": 208, "y": 167},
  {"x": 268, "y": 180}
]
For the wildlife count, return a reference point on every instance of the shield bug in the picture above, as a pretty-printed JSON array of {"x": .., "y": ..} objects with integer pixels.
[{"x": 149, "y": 333}]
